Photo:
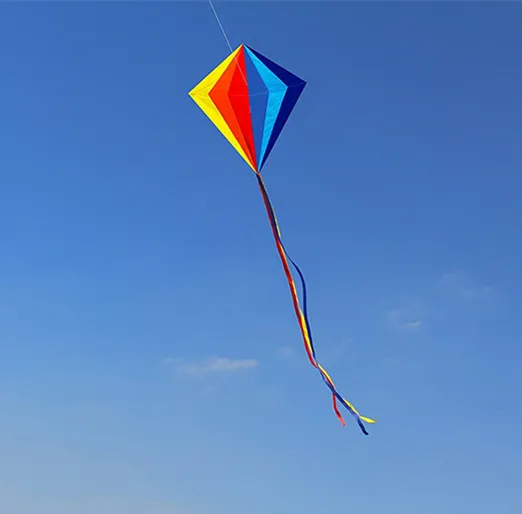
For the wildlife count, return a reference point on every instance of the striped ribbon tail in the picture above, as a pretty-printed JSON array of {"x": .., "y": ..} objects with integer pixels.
[{"x": 302, "y": 315}]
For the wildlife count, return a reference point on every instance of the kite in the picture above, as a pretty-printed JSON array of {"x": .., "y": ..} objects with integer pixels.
[{"x": 249, "y": 98}]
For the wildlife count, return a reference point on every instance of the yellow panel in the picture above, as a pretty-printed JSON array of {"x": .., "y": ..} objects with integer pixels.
[
  {"x": 210, "y": 80},
  {"x": 200, "y": 95}
]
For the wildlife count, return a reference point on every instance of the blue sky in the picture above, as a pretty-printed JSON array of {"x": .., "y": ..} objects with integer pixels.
[{"x": 150, "y": 360}]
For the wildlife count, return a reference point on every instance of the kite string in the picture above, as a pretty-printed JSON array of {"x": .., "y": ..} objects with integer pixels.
[
  {"x": 220, "y": 25},
  {"x": 236, "y": 58}
]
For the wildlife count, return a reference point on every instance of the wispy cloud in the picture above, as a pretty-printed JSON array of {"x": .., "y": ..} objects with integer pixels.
[
  {"x": 452, "y": 290},
  {"x": 404, "y": 319},
  {"x": 285, "y": 351},
  {"x": 462, "y": 285},
  {"x": 212, "y": 365}
]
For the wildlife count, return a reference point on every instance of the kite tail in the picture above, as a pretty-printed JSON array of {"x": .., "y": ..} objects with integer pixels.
[{"x": 302, "y": 316}]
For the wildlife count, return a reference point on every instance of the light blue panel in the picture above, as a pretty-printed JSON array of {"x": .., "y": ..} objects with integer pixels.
[
  {"x": 276, "y": 93},
  {"x": 258, "y": 96}
]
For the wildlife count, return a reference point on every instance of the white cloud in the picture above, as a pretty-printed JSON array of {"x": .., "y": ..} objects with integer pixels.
[
  {"x": 457, "y": 288},
  {"x": 285, "y": 351},
  {"x": 403, "y": 319},
  {"x": 211, "y": 365},
  {"x": 461, "y": 284},
  {"x": 413, "y": 324}
]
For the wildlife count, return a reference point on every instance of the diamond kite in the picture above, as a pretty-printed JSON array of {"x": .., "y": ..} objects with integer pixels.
[{"x": 249, "y": 98}]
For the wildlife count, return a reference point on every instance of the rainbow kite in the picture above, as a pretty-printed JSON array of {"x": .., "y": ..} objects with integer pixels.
[{"x": 249, "y": 99}]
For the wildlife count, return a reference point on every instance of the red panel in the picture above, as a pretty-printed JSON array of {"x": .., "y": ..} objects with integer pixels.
[
  {"x": 220, "y": 96},
  {"x": 238, "y": 94}
]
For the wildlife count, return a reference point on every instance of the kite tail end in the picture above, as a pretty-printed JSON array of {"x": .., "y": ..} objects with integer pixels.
[
  {"x": 362, "y": 427},
  {"x": 360, "y": 420}
]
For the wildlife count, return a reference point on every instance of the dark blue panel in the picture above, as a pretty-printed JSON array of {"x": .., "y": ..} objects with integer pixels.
[
  {"x": 258, "y": 96},
  {"x": 288, "y": 78},
  {"x": 291, "y": 97}
]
